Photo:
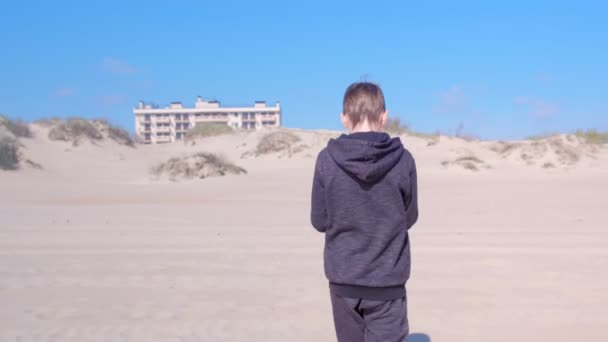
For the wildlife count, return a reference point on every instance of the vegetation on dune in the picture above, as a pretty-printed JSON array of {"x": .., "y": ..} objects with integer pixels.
[
  {"x": 590, "y": 136},
  {"x": 77, "y": 129},
  {"x": 9, "y": 154},
  {"x": 593, "y": 136},
  {"x": 18, "y": 128},
  {"x": 548, "y": 165},
  {"x": 395, "y": 127},
  {"x": 47, "y": 122},
  {"x": 199, "y": 165},
  {"x": 470, "y": 158},
  {"x": 277, "y": 142},
  {"x": 73, "y": 130},
  {"x": 204, "y": 130},
  {"x": 503, "y": 147},
  {"x": 468, "y": 162},
  {"x": 118, "y": 134},
  {"x": 542, "y": 136}
]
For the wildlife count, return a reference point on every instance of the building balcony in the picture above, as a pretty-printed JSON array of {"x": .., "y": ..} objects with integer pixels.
[
  {"x": 162, "y": 119},
  {"x": 211, "y": 118}
]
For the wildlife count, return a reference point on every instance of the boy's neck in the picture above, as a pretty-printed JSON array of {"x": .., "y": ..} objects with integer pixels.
[{"x": 365, "y": 127}]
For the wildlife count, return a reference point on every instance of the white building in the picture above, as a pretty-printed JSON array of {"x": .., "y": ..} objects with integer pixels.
[{"x": 161, "y": 125}]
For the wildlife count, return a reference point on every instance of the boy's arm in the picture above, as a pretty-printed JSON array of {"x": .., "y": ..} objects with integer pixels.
[
  {"x": 411, "y": 198},
  {"x": 318, "y": 212}
]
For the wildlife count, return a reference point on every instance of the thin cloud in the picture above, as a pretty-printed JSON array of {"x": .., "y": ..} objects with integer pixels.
[
  {"x": 112, "y": 100},
  {"x": 452, "y": 100},
  {"x": 117, "y": 66},
  {"x": 537, "y": 108},
  {"x": 545, "y": 78},
  {"x": 145, "y": 84},
  {"x": 64, "y": 92}
]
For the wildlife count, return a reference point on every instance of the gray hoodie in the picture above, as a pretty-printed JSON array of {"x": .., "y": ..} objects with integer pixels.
[{"x": 364, "y": 198}]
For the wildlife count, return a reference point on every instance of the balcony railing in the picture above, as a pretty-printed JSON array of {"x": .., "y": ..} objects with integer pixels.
[{"x": 162, "y": 119}]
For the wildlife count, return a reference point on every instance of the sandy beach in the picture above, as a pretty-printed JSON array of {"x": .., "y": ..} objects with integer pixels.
[{"x": 94, "y": 248}]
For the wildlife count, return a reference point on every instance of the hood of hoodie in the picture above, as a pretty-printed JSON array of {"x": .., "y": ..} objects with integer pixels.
[{"x": 367, "y": 156}]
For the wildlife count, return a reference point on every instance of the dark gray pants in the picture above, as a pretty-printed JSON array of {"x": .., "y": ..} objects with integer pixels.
[{"x": 362, "y": 320}]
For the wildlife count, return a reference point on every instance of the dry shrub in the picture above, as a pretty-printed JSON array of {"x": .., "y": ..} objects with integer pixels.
[
  {"x": 470, "y": 158},
  {"x": 395, "y": 127},
  {"x": 74, "y": 130},
  {"x": 548, "y": 165},
  {"x": 18, "y": 128},
  {"x": 299, "y": 148},
  {"x": 566, "y": 154},
  {"x": 204, "y": 130},
  {"x": 116, "y": 133},
  {"x": 503, "y": 147},
  {"x": 120, "y": 135},
  {"x": 48, "y": 122},
  {"x": 542, "y": 136},
  {"x": 470, "y": 166},
  {"x": 9, "y": 154},
  {"x": 468, "y": 162},
  {"x": 593, "y": 136},
  {"x": 199, "y": 165},
  {"x": 277, "y": 142}
]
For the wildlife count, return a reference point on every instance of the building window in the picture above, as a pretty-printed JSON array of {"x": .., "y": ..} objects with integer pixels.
[
  {"x": 147, "y": 117},
  {"x": 186, "y": 126},
  {"x": 178, "y": 117},
  {"x": 252, "y": 125},
  {"x": 185, "y": 116},
  {"x": 147, "y": 127},
  {"x": 147, "y": 136}
]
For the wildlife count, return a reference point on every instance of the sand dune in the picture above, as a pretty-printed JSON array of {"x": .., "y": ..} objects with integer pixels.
[{"x": 94, "y": 248}]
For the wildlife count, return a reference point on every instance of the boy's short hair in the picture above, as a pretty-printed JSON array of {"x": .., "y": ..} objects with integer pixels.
[{"x": 363, "y": 100}]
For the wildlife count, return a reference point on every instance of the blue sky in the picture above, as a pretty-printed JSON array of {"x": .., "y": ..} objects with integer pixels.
[{"x": 499, "y": 71}]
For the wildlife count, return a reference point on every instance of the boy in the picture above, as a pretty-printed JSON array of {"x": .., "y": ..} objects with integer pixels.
[{"x": 364, "y": 198}]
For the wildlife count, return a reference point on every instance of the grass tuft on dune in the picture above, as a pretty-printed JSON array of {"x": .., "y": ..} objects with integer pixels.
[
  {"x": 205, "y": 130},
  {"x": 18, "y": 128},
  {"x": 593, "y": 136},
  {"x": 198, "y": 165},
  {"x": 9, "y": 154}
]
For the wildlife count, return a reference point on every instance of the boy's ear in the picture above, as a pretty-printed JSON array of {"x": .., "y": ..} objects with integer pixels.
[
  {"x": 345, "y": 121},
  {"x": 384, "y": 118}
]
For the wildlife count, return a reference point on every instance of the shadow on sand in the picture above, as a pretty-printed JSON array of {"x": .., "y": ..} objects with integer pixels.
[{"x": 418, "y": 337}]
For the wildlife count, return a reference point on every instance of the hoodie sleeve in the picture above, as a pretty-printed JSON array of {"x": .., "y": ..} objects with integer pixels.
[
  {"x": 318, "y": 211},
  {"x": 411, "y": 197}
]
